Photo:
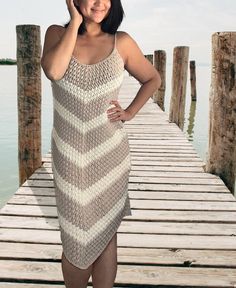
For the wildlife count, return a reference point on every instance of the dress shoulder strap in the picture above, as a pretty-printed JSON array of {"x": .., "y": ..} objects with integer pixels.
[{"x": 115, "y": 40}]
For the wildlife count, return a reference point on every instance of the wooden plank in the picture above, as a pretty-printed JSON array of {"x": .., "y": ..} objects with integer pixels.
[
  {"x": 139, "y": 204},
  {"x": 158, "y": 163},
  {"x": 149, "y": 179},
  {"x": 149, "y": 174},
  {"x": 46, "y": 167},
  {"x": 173, "y": 174},
  {"x": 146, "y": 186},
  {"x": 128, "y": 240},
  {"x": 156, "y": 142},
  {"x": 178, "y": 187},
  {"x": 169, "y": 180},
  {"x": 127, "y": 226},
  {"x": 126, "y": 274},
  {"x": 143, "y": 215},
  {"x": 163, "y": 157},
  {"x": 177, "y": 257},
  {"x": 171, "y": 154},
  {"x": 167, "y": 162},
  {"x": 149, "y": 150},
  {"x": 39, "y": 191}
]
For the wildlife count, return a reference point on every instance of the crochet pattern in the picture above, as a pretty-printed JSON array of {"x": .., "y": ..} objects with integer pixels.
[{"x": 90, "y": 158}]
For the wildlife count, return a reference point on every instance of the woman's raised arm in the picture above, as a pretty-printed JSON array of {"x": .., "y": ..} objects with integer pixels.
[{"x": 58, "y": 46}]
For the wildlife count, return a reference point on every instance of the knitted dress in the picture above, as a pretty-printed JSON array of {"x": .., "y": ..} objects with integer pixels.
[{"x": 90, "y": 158}]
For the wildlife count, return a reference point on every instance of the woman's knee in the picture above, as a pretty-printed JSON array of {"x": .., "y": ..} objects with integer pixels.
[{"x": 74, "y": 275}]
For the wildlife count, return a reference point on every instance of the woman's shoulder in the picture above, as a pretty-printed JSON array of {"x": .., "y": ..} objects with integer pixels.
[
  {"x": 125, "y": 39},
  {"x": 55, "y": 30},
  {"x": 56, "y": 27},
  {"x": 123, "y": 34}
]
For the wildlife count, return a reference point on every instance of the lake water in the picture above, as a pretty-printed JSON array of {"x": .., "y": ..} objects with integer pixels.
[{"x": 196, "y": 126}]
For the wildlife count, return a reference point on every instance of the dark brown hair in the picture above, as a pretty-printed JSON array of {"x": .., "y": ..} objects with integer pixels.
[{"x": 111, "y": 23}]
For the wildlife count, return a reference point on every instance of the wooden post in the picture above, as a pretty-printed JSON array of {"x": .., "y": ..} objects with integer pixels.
[
  {"x": 29, "y": 99},
  {"x": 221, "y": 158},
  {"x": 149, "y": 58},
  {"x": 160, "y": 65},
  {"x": 193, "y": 80},
  {"x": 179, "y": 81}
]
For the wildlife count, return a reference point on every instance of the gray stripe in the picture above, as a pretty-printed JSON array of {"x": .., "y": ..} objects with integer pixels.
[
  {"x": 97, "y": 208},
  {"x": 102, "y": 166},
  {"x": 83, "y": 256},
  {"x": 83, "y": 110},
  {"x": 85, "y": 142}
]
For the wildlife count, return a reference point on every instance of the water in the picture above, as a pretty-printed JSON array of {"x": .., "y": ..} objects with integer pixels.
[
  {"x": 196, "y": 121},
  {"x": 9, "y": 129}
]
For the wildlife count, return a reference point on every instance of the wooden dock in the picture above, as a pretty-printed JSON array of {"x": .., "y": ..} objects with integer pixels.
[{"x": 182, "y": 232}]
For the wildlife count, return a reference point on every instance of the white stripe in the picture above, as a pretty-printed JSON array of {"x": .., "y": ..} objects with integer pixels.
[
  {"x": 83, "y": 197},
  {"x": 93, "y": 93},
  {"x": 84, "y": 237},
  {"x": 81, "y": 160}
]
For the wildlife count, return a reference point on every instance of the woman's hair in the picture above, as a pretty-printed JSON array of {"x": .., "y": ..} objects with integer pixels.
[{"x": 109, "y": 24}]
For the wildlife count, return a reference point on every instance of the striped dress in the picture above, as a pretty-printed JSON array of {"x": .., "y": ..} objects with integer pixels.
[{"x": 90, "y": 158}]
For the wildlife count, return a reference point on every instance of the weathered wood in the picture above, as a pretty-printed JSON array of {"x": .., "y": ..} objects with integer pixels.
[
  {"x": 176, "y": 241},
  {"x": 149, "y": 58},
  {"x": 201, "y": 196},
  {"x": 214, "y": 258},
  {"x": 126, "y": 274},
  {"x": 151, "y": 177},
  {"x": 192, "y": 67},
  {"x": 149, "y": 185},
  {"x": 160, "y": 65},
  {"x": 179, "y": 81},
  {"x": 154, "y": 227},
  {"x": 221, "y": 158},
  {"x": 29, "y": 99},
  {"x": 140, "y": 204},
  {"x": 140, "y": 215}
]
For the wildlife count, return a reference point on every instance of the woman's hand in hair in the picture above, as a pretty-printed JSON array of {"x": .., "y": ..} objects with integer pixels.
[{"x": 75, "y": 15}]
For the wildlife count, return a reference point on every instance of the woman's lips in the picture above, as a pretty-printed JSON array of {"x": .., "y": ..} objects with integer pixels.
[{"x": 97, "y": 11}]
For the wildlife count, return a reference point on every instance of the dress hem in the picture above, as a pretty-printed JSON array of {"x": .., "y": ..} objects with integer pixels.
[{"x": 124, "y": 214}]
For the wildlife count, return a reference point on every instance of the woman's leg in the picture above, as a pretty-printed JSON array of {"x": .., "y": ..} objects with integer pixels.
[
  {"x": 105, "y": 267},
  {"x": 73, "y": 276}
]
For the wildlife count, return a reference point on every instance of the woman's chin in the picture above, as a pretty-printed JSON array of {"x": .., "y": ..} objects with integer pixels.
[{"x": 96, "y": 19}]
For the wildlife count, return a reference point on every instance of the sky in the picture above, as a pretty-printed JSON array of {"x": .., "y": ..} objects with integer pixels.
[{"x": 153, "y": 24}]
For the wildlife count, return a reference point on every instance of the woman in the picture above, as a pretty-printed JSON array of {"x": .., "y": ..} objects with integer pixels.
[{"x": 85, "y": 61}]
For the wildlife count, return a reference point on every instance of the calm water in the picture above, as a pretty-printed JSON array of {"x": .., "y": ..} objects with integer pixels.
[{"x": 196, "y": 122}]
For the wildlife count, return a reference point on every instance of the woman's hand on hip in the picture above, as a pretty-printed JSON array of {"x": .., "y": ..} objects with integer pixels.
[{"x": 117, "y": 113}]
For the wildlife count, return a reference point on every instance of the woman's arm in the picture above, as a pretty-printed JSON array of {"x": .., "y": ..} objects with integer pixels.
[
  {"x": 57, "y": 50},
  {"x": 140, "y": 68}
]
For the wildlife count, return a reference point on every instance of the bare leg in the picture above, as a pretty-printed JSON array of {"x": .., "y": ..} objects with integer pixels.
[
  {"x": 105, "y": 267},
  {"x": 73, "y": 276}
]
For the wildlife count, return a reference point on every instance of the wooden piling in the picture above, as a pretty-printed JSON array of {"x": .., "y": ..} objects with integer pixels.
[
  {"x": 179, "y": 81},
  {"x": 29, "y": 99},
  {"x": 192, "y": 67},
  {"x": 160, "y": 65},
  {"x": 149, "y": 58},
  {"x": 222, "y": 127}
]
